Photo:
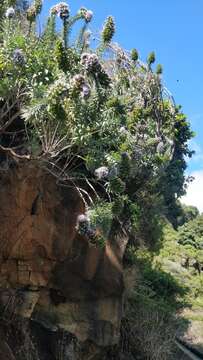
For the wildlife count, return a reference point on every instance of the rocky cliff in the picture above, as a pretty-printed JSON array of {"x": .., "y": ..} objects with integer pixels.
[{"x": 60, "y": 297}]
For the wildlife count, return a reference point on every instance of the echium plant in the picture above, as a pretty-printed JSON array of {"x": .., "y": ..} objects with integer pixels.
[
  {"x": 103, "y": 124},
  {"x": 34, "y": 10}
]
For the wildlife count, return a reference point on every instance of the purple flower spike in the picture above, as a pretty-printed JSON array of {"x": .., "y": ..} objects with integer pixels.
[
  {"x": 85, "y": 91},
  {"x": 18, "y": 57}
]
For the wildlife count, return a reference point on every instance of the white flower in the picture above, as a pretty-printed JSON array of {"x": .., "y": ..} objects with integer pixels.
[
  {"x": 10, "y": 12},
  {"x": 102, "y": 172},
  {"x": 82, "y": 218},
  {"x": 123, "y": 130}
]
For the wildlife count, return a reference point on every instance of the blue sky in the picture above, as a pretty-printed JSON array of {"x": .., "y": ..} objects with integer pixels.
[{"x": 174, "y": 30}]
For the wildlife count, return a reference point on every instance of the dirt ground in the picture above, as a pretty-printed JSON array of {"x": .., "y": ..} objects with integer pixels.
[{"x": 194, "y": 335}]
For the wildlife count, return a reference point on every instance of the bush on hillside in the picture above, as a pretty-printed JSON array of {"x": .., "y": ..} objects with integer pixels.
[{"x": 96, "y": 118}]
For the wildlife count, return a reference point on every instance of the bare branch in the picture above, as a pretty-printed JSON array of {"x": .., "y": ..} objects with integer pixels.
[
  {"x": 12, "y": 153},
  {"x": 9, "y": 122}
]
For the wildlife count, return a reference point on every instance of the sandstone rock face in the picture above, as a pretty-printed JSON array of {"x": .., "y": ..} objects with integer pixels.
[{"x": 49, "y": 275}]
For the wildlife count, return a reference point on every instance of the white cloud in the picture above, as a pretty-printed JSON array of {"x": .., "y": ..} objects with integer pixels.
[
  {"x": 194, "y": 194},
  {"x": 198, "y": 156}
]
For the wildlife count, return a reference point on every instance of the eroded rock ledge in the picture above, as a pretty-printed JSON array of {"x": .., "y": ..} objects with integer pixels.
[{"x": 49, "y": 275}]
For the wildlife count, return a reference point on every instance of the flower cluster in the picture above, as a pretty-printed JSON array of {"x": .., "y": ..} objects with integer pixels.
[
  {"x": 58, "y": 91},
  {"x": 107, "y": 173},
  {"x": 62, "y": 10},
  {"x": 10, "y": 13},
  {"x": 54, "y": 10},
  {"x": 85, "y": 93},
  {"x": 38, "y": 6},
  {"x": 34, "y": 10},
  {"x": 18, "y": 57},
  {"x": 102, "y": 172},
  {"x": 80, "y": 84},
  {"x": 123, "y": 131},
  {"x": 116, "y": 173},
  {"x": 90, "y": 62},
  {"x": 86, "y": 14},
  {"x": 83, "y": 224},
  {"x": 31, "y": 13},
  {"x": 85, "y": 228},
  {"x": 78, "y": 80}
]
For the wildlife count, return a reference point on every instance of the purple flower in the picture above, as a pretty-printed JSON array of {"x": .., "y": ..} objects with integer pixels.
[
  {"x": 88, "y": 15},
  {"x": 90, "y": 62},
  {"x": 10, "y": 13},
  {"x": 78, "y": 80},
  {"x": 79, "y": 83},
  {"x": 84, "y": 58},
  {"x": 85, "y": 14},
  {"x": 18, "y": 57},
  {"x": 62, "y": 10},
  {"x": 125, "y": 155},
  {"x": 85, "y": 91}
]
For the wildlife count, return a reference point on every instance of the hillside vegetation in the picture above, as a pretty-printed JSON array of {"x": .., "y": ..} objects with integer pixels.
[{"x": 99, "y": 119}]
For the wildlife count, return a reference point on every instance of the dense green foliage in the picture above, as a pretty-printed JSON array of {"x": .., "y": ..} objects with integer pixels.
[
  {"x": 192, "y": 233},
  {"x": 101, "y": 121},
  {"x": 20, "y": 5},
  {"x": 166, "y": 283},
  {"x": 181, "y": 256}
]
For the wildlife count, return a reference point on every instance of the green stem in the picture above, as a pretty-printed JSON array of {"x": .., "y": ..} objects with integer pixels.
[
  {"x": 30, "y": 28},
  {"x": 65, "y": 28},
  {"x": 80, "y": 41}
]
